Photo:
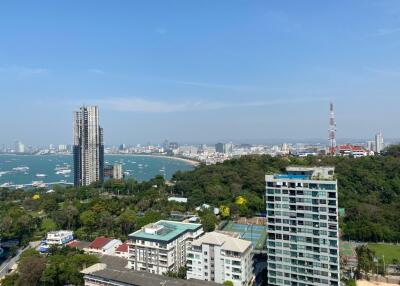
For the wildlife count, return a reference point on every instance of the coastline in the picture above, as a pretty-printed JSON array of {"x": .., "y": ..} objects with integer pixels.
[{"x": 189, "y": 161}]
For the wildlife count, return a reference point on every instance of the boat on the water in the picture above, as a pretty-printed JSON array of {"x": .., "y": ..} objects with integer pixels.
[
  {"x": 5, "y": 185},
  {"x": 63, "y": 171},
  {"x": 21, "y": 169},
  {"x": 38, "y": 184},
  {"x": 41, "y": 175}
]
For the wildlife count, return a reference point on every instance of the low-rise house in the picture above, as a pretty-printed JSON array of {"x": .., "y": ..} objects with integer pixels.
[
  {"x": 59, "y": 237},
  {"x": 78, "y": 244},
  {"x": 122, "y": 251},
  {"x": 103, "y": 245},
  {"x": 178, "y": 199},
  {"x": 161, "y": 247},
  {"x": 220, "y": 257}
]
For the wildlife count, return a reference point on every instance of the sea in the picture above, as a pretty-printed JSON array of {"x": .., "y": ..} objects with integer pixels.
[{"x": 25, "y": 169}]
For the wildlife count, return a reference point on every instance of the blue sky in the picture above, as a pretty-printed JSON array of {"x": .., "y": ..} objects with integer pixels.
[{"x": 199, "y": 71}]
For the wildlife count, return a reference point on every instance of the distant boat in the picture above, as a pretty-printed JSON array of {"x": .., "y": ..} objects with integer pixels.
[
  {"x": 5, "y": 185},
  {"x": 21, "y": 169},
  {"x": 41, "y": 175},
  {"x": 39, "y": 184},
  {"x": 63, "y": 172},
  {"x": 3, "y": 173}
]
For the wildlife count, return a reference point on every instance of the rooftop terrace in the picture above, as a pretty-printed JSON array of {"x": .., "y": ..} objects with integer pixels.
[
  {"x": 164, "y": 231},
  {"x": 306, "y": 173}
]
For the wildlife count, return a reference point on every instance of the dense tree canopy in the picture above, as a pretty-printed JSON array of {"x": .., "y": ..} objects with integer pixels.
[{"x": 369, "y": 190}]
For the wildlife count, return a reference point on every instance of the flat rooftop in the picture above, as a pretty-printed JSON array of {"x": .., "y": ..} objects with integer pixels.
[
  {"x": 164, "y": 231},
  {"x": 114, "y": 269},
  {"x": 305, "y": 173}
]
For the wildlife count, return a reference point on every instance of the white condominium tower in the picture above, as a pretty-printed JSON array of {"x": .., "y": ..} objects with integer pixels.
[
  {"x": 379, "y": 143},
  {"x": 88, "y": 147},
  {"x": 302, "y": 227}
]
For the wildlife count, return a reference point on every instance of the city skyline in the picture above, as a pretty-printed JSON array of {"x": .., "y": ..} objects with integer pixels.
[{"x": 158, "y": 70}]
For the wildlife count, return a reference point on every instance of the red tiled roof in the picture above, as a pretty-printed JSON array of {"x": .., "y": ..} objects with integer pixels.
[
  {"x": 73, "y": 243},
  {"x": 99, "y": 242},
  {"x": 122, "y": 248},
  {"x": 351, "y": 148}
]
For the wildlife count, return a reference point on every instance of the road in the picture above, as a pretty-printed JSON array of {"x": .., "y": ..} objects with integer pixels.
[{"x": 7, "y": 265}]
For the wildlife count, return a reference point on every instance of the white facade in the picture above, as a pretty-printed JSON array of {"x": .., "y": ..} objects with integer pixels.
[
  {"x": 19, "y": 147},
  {"x": 59, "y": 237},
  {"x": 117, "y": 172},
  {"x": 302, "y": 227},
  {"x": 161, "y": 247},
  {"x": 379, "y": 143},
  {"x": 108, "y": 249},
  {"x": 219, "y": 257}
]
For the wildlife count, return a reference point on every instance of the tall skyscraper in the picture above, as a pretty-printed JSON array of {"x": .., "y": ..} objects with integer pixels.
[
  {"x": 379, "y": 143},
  {"x": 302, "y": 227},
  {"x": 88, "y": 146}
]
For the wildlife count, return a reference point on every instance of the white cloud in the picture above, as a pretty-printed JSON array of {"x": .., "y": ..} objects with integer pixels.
[
  {"x": 22, "y": 71},
  {"x": 96, "y": 71},
  {"x": 136, "y": 104}
]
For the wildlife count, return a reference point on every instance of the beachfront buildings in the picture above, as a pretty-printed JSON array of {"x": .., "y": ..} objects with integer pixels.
[
  {"x": 160, "y": 247},
  {"x": 220, "y": 257},
  {"x": 302, "y": 227},
  {"x": 88, "y": 147}
]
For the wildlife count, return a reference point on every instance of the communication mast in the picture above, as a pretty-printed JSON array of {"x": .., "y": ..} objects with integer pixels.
[{"x": 332, "y": 130}]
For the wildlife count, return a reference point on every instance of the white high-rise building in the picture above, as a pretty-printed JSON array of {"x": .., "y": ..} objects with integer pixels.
[
  {"x": 62, "y": 148},
  {"x": 219, "y": 257},
  {"x": 379, "y": 143},
  {"x": 19, "y": 147},
  {"x": 302, "y": 227},
  {"x": 88, "y": 147}
]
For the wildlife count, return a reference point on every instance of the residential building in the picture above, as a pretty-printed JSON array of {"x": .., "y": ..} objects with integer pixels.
[
  {"x": 352, "y": 150},
  {"x": 160, "y": 247},
  {"x": 219, "y": 257},
  {"x": 379, "y": 143},
  {"x": 78, "y": 244},
  {"x": 103, "y": 245},
  {"x": 115, "y": 274},
  {"x": 224, "y": 148},
  {"x": 122, "y": 251},
  {"x": 59, "y": 237},
  {"x": 113, "y": 171},
  {"x": 19, "y": 147},
  {"x": 178, "y": 199},
  {"x": 62, "y": 148},
  {"x": 219, "y": 147},
  {"x": 371, "y": 145},
  {"x": 88, "y": 147},
  {"x": 302, "y": 227}
]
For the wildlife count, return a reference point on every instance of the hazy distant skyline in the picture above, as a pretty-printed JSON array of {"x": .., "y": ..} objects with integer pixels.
[{"x": 199, "y": 71}]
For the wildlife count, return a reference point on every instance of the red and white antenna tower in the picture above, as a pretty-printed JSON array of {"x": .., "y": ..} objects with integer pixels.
[{"x": 332, "y": 130}]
